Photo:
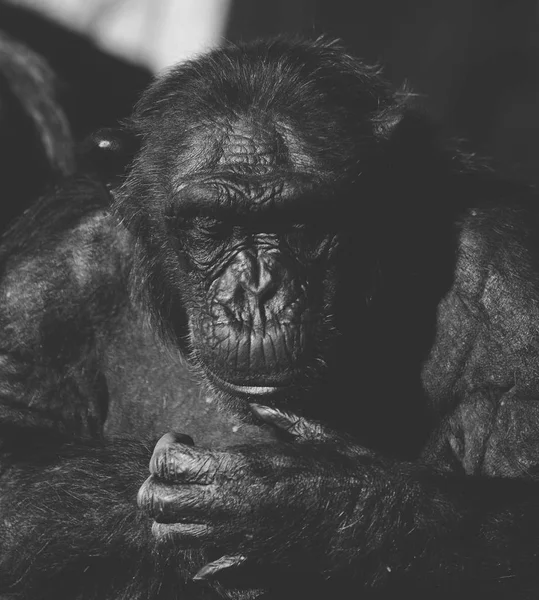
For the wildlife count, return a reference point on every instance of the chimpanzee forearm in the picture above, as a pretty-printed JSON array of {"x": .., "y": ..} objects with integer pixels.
[
  {"x": 328, "y": 511},
  {"x": 413, "y": 528},
  {"x": 433, "y": 535},
  {"x": 70, "y": 526}
]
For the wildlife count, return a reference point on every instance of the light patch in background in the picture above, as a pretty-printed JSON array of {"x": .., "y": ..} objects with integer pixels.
[{"x": 153, "y": 33}]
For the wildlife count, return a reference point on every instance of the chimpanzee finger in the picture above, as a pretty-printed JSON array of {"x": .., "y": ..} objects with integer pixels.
[
  {"x": 215, "y": 568},
  {"x": 173, "y": 437},
  {"x": 299, "y": 428},
  {"x": 305, "y": 430},
  {"x": 189, "y": 504},
  {"x": 173, "y": 460},
  {"x": 184, "y": 534}
]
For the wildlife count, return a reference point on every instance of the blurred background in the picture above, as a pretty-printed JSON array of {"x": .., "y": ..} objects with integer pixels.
[{"x": 474, "y": 62}]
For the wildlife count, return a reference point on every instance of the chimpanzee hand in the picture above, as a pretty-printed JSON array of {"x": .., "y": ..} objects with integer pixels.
[{"x": 288, "y": 503}]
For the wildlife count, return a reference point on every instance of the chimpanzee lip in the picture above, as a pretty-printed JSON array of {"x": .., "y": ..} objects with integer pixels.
[
  {"x": 252, "y": 390},
  {"x": 245, "y": 390}
]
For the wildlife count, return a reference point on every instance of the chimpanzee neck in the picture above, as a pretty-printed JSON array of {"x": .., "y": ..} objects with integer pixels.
[{"x": 153, "y": 391}]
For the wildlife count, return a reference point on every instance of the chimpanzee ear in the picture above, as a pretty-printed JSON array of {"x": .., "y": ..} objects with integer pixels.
[
  {"x": 107, "y": 153},
  {"x": 402, "y": 117},
  {"x": 407, "y": 134},
  {"x": 385, "y": 121}
]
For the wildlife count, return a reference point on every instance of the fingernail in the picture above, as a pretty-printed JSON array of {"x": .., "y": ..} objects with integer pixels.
[{"x": 262, "y": 411}]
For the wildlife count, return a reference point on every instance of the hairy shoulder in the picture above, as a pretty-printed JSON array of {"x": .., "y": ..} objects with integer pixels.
[{"x": 67, "y": 255}]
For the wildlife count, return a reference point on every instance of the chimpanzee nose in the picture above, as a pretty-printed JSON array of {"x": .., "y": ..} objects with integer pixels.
[{"x": 260, "y": 276}]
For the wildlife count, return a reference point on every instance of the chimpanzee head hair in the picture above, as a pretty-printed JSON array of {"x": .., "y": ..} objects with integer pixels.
[{"x": 335, "y": 106}]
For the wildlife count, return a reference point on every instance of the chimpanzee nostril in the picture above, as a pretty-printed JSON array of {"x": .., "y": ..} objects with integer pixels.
[{"x": 260, "y": 277}]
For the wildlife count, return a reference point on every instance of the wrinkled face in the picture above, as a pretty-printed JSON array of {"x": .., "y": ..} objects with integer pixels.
[
  {"x": 257, "y": 297},
  {"x": 250, "y": 244}
]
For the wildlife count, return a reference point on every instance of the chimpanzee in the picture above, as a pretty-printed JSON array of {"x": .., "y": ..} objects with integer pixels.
[
  {"x": 289, "y": 243},
  {"x": 36, "y": 145}
]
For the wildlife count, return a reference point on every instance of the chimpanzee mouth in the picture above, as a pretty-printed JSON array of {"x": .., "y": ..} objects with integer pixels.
[{"x": 246, "y": 390}]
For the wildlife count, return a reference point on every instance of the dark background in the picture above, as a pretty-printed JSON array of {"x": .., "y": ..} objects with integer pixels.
[{"x": 474, "y": 63}]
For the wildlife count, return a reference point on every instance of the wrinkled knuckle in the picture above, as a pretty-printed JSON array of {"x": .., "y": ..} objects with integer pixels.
[
  {"x": 163, "y": 462},
  {"x": 153, "y": 500},
  {"x": 167, "y": 463},
  {"x": 155, "y": 462}
]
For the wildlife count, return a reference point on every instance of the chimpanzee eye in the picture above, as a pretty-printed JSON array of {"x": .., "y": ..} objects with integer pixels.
[
  {"x": 309, "y": 239},
  {"x": 198, "y": 225},
  {"x": 214, "y": 228}
]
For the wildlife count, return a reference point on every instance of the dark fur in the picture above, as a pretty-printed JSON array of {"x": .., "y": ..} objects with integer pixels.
[{"x": 97, "y": 357}]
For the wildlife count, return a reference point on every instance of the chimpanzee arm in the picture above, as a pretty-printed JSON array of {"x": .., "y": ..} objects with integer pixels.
[
  {"x": 69, "y": 525},
  {"x": 343, "y": 512},
  {"x": 69, "y": 522},
  {"x": 63, "y": 278}
]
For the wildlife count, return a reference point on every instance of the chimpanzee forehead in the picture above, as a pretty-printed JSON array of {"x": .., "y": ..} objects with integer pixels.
[
  {"x": 248, "y": 145},
  {"x": 252, "y": 162}
]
